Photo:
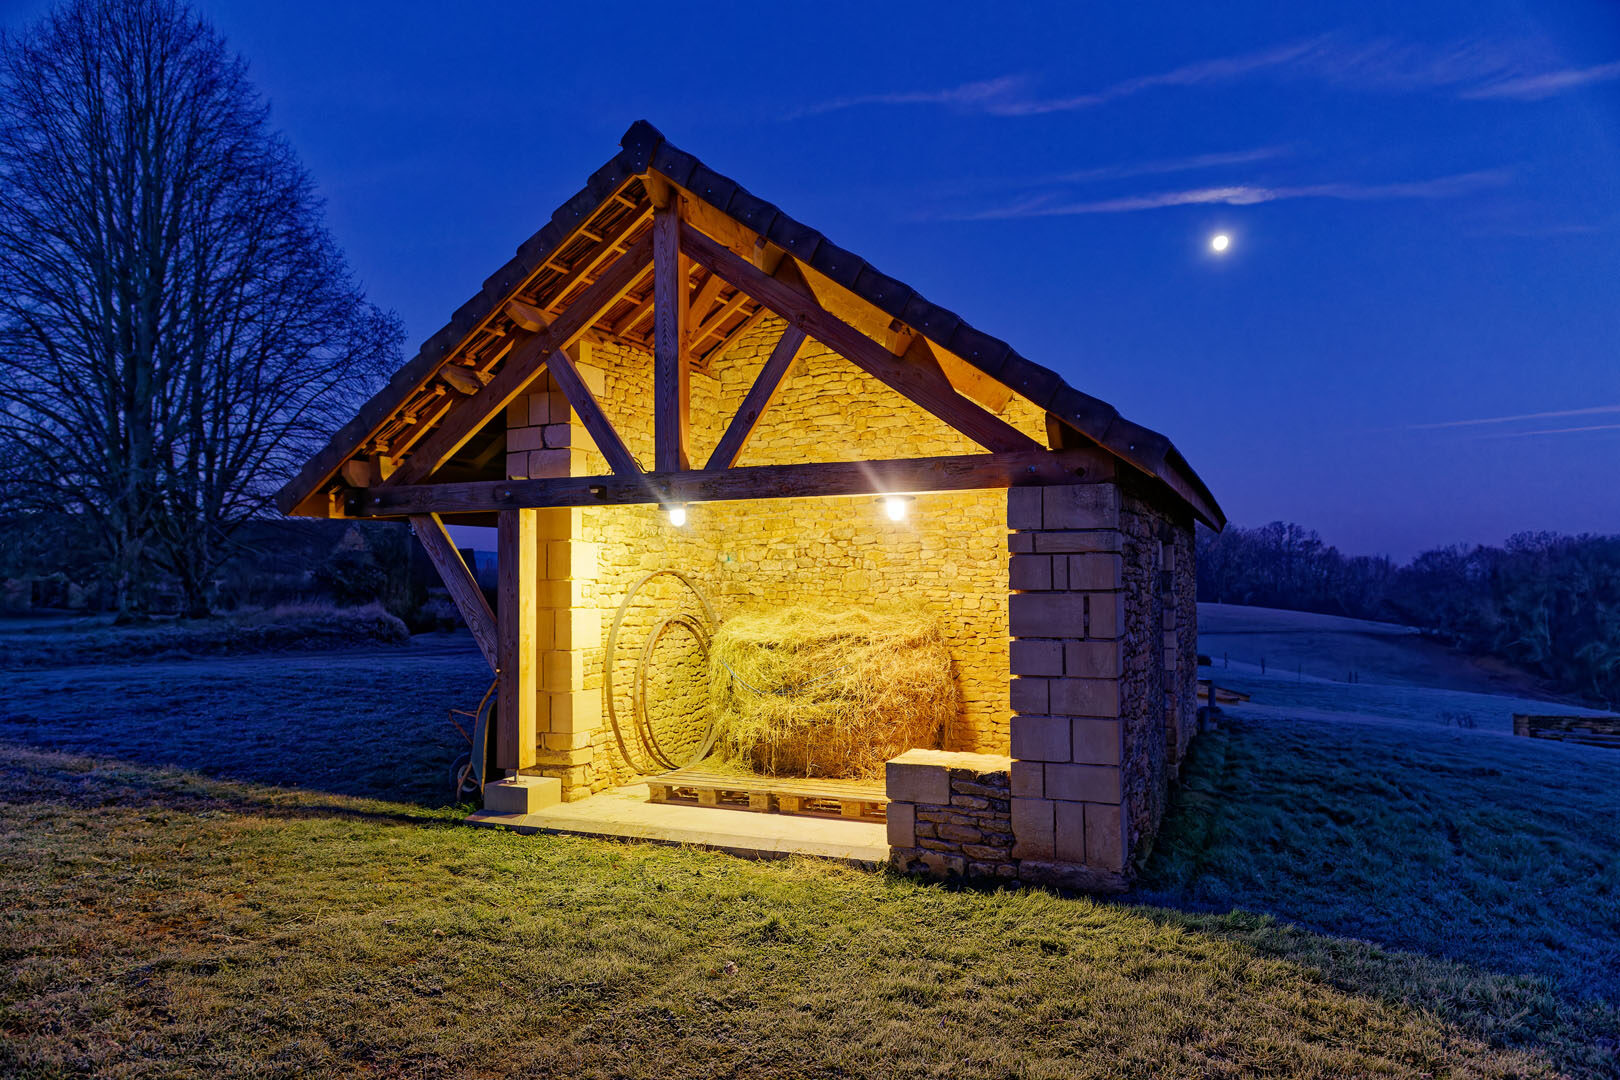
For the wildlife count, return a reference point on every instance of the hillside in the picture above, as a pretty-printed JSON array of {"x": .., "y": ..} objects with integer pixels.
[{"x": 1332, "y": 648}]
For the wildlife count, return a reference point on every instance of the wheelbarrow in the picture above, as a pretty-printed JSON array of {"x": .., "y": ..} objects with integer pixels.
[{"x": 468, "y": 772}]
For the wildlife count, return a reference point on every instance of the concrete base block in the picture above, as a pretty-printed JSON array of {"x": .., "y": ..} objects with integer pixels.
[{"x": 522, "y": 794}]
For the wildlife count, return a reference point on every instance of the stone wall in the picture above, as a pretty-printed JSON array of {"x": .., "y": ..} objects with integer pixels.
[
  {"x": 1070, "y": 688},
  {"x": 950, "y": 814},
  {"x": 1181, "y": 640},
  {"x": 1103, "y": 664},
  {"x": 948, "y": 554},
  {"x": 1144, "y": 779}
]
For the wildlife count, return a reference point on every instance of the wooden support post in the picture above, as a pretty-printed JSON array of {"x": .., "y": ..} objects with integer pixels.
[
  {"x": 461, "y": 583},
  {"x": 671, "y": 362},
  {"x": 517, "y": 733}
]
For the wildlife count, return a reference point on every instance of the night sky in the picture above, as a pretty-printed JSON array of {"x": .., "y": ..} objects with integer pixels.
[{"x": 1413, "y": 339}]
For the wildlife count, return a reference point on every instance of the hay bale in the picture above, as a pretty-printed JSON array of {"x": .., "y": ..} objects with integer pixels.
[{"x": 820, "y": 691}]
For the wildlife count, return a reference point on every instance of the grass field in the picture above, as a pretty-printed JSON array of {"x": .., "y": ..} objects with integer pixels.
[{"x": 207, "y": 868}]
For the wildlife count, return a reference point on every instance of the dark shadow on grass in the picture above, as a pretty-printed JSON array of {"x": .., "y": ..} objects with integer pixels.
[
  {"x": 1485, "y": 851},
  {"x": 1578, "y": 1035},
  {"x": 44, "y": 778}
]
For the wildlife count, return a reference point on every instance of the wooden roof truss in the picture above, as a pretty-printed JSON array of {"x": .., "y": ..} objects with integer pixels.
[
  {"x": 651, "y": 265},
  {"x": 647, "y": 256}
]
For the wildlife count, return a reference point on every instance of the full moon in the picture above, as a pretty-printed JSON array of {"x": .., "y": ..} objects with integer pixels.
[{"x": 1220, "y": 242}]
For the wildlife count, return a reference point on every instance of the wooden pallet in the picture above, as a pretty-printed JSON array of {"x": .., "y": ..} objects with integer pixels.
[
  {"x": 698, "y": 786},
  {"x": 1590, "y": 730},
  {"x": 1224, "y": 695}
]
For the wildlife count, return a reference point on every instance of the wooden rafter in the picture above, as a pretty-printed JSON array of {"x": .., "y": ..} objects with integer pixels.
[
  {"x": 766, "y": 383},
  {"x": 461, "y": 584},
  {"x": 628, "y": 321},
  {"x": 413, "y": 427},
  {"x": 609, "y": 247},
  {"x": 710, "y": 327},
  {"x": 602, "y": 431},
  {"x": 923, "y": 384},
  {"x": 525, "y": 362},
  {"x": 703, "y": 300},
  {"x": 671, "y": 361},
  {"x": 1018, "y": 467}
]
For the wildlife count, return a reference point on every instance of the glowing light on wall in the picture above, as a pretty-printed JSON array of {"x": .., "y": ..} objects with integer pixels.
[
  {"x": 677, "y": 514},
  {"x": 896, "y": 506}
]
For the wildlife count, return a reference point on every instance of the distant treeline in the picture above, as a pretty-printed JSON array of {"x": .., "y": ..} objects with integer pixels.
[{"x": 1548, "y": 603}]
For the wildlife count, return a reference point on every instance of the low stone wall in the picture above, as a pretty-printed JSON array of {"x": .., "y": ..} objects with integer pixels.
[{"x": 949, "y": 814}]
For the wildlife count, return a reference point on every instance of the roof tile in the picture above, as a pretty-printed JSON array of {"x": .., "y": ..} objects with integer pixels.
[
  {"x": 932, "y": 321},
  {"x": 1088, "y": 415},
  {"x": 639, "y": 144},
  {"x": 606, "y": 180},
  {"x": 790, "y": 236},
  {"x": 573, "y": 213},
  {"x": 752, "y": 211},
  {"x": 889, "y": 294},
  {"x": 675, "y": 164},
  {"x": 838, "y": 264},
  {"x": 710, "y": 186},
  {"x": 506, "y": 278},
  {"x": 979, "y": 349},
  {"x": 1036, "y": 383}
]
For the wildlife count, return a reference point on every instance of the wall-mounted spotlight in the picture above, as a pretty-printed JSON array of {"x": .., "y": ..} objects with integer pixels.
[
  {"x": 677, "y": 514},
  {"x": 897, "y": 506}
]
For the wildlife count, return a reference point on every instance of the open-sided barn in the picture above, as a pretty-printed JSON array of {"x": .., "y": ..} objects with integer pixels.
[{"x": 674, "y": 375}]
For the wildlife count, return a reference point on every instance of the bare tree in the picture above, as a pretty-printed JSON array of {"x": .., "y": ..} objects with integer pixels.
[{"x": 176, "y": 326}]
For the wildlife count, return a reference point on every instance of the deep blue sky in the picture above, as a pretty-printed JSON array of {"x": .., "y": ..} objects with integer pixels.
[{"x": 1425, "y": 207}]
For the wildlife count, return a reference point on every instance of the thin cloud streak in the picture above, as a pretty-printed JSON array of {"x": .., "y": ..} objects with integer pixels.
[
  {"x": 1162, "y": 166},
  {"x": 980, "y": 95},
  {"x": 1471, "y": 68},
  {"x": 1595, "y": 410},
  {"x": 1444, "y": 187},
  {"x": 1552, "y": 431},
  {"x": 1006, "y": 96},
  {"x": 1220, "y": 70},
  {"x": 1537, "y": 87},
  {"x": 982, "y": 186}
]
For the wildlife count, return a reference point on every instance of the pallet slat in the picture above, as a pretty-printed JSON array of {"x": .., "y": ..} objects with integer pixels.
[{"x": 695, "y": 785}]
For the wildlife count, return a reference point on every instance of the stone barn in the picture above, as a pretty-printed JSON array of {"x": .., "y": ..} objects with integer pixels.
[{"x": 676, "y": 403}]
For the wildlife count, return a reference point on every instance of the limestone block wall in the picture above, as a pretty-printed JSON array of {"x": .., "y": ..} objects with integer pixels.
[
  {"x": 1103, "y": 664},
  {"x": 948, "y": 555},
  {"x": 1071, "y": 612}
]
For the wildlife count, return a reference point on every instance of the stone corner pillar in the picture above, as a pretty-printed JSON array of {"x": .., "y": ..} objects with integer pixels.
[
  {"x": 1066, "y": 619},
  {"x": 544, "y": 438}
]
